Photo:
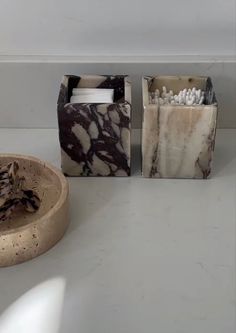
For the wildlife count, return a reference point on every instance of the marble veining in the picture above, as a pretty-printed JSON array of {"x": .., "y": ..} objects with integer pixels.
[
  {"x": 178, "y": 141},
  {"x": 95, "y": 138}
]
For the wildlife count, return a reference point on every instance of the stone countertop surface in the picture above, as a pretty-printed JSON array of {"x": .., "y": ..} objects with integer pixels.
[{"x": 140, "y": 255}]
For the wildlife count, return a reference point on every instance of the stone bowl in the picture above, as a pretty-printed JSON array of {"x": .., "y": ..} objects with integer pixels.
[{"x": 27, "y": 235}]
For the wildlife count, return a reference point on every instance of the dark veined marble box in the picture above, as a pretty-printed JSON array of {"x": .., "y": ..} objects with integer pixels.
[
  {"x": 95, "y": 138},
  {"x": 178, "y": 140}
]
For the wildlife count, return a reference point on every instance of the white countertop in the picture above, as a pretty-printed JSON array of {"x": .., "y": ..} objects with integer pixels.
[{"x": 140, "y": 255}]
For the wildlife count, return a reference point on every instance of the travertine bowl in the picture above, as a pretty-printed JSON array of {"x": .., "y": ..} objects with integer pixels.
[{"x": 26, "y": 235}]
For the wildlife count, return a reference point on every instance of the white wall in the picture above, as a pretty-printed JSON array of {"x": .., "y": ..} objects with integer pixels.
[
  {"x": 107, "y": 27},
  {"x": 145, "y": 36},
  {"x": 29, "y": 91}
]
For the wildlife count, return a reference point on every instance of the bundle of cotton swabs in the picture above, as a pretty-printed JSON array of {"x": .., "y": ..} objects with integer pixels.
[{"x": 185, "y": 97}]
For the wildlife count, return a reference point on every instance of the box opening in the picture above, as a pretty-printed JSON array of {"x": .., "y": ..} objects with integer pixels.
[
  {"x": 99, "y": 81},
  {"x": 177, "y": 83}
]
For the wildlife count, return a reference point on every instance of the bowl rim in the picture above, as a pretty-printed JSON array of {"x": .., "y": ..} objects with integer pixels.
[{"x": 62, "y": 197}]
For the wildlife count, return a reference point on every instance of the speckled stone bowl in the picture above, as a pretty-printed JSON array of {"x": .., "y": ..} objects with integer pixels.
[{"x": 27, "y": 235}]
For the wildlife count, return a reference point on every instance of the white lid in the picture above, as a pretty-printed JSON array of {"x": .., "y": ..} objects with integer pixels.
[
  {"x": 93, "y": 98},
  {"x": 88, "y": 91}
]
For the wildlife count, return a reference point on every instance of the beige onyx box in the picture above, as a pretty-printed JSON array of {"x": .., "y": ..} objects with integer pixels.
[{"x": 178, "y": 140}]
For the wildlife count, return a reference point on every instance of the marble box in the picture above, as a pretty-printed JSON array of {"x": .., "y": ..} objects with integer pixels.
[
  {"x": 178, "y": 140},
  {"x": 95, "y": 138}
]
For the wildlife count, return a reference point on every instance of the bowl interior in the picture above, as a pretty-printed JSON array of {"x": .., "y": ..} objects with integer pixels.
[{"x": 40, "y": 178}]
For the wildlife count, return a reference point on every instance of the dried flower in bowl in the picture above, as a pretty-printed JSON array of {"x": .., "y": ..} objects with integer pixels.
[{"x": 13, "y": 193}]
